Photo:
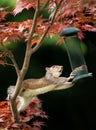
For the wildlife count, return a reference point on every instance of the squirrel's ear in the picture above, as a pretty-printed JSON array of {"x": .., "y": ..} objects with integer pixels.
[{"x": 47, "y": 68}]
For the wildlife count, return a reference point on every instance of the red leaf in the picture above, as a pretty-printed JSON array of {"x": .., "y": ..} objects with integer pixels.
[
  {"x": 24, "y": 4},
  {"x": 69, "y": 13},
  {"x": 19, "y": 126},
  {"x": 35, "y": 41},
  {"x": 2, "y": 62},
  {"x": 3, "y": 15},
  {"x": 88, "y": 27},
  {"x": 38, "y": 124},
  {"x": 4, "y": 105},
  {"x": 81, "y": 35},
  {"x": 61, "y": 40},
  {"x": 2, "y": 120},
  {"x": 6, "y": 120}
]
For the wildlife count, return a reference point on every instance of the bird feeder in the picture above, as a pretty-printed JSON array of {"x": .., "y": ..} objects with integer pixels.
[{"x": 76, "y": 58}]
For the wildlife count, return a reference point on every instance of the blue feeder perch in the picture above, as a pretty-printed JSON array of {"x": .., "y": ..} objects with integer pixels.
[{"x": 76, "y": 58}]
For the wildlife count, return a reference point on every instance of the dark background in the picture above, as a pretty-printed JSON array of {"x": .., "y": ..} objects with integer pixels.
[{"x": 73, "y": 108}]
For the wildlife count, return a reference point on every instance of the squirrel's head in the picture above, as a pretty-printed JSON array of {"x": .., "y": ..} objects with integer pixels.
[{"x": 55, "y": 70}]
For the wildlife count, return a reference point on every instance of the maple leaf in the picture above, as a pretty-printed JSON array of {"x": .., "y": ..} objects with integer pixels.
[
  {"x": 2, "y": 62},
  {"x": 38, "y": 124},
  {"x": 89, "y": 28},
  {"x": 33, "y": 110},
  {"x": 81, "y": 35},
  {"x": 19, "y": 126},
  {"x": 22, "y": 4},
  {"x": 69, "y": 13},
  {"x": 10, "y": 31},
  {"x": 4, "y": 105},
  {"x": 3, "y": 15},
  {"x": 5, "y": 114},
  {"x": 61, "y": 40},
  {"x": 55, "y": 29}
]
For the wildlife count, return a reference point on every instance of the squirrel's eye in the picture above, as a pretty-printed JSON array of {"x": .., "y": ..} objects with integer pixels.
[{"x": 53, "y": 66}]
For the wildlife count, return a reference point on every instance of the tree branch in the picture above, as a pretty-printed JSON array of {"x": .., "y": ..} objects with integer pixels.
[
  {"x": 11, "y": 56},
  {"x": 57, "y": 7},
  {"x": 24, "y": 67},
  {"x": 33, "y": 24},
  {"x": 41, "y": 39},
  {"x": 46, "y": 31},
  {"x": 27, "y": 54}
]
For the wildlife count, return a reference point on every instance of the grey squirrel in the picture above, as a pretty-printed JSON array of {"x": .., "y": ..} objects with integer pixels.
[{"x": 34, "y": 87}]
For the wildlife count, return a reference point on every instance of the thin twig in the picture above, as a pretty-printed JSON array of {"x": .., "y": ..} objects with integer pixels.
[
  {"x": 11, "y": 56},
  {"x": 41, "y": 39},
  {"x": 44, "y": 6},
  {"x": 57, "y": 7},
  {"x": 34, "y": 23},
  {"x": 8, "y": 64}
]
